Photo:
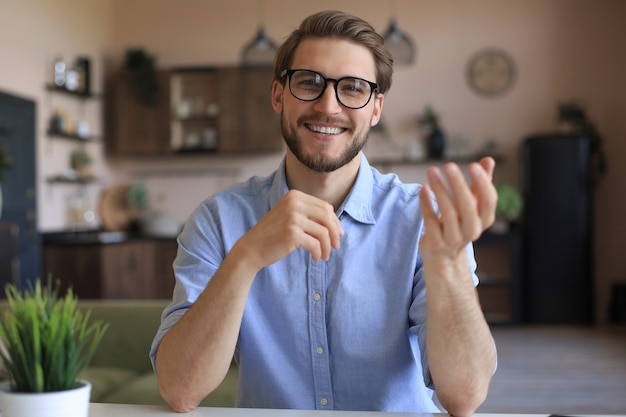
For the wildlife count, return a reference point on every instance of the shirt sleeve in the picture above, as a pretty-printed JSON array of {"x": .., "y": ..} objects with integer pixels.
[{"x": 197, "y": 260}]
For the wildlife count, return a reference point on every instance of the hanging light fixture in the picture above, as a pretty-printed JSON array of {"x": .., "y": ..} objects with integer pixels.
[
  {"x": 261, "y": 50},
  {"x": 397, "y": 42}
]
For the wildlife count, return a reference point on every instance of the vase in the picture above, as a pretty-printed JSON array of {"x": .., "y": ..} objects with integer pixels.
[
  {"x": 68, "y": 403},
  {"x": 436, "y": 144}
]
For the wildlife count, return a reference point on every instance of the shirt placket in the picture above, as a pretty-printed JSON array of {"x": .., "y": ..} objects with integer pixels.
[{"x": 318, "y": 335}]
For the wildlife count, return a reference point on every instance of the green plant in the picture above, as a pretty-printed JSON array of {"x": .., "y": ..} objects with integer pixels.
[
  {"x": 573, "y": 116},
  {"x": 6, "y": 162},
  {"x": 137, "y": 197},
  {"x": 80, "y": 158},
  {"x": 142, "y": 67},
  {"x": 48, "y": 340},
  {"x": 428, "y": 119},
  {"x": 510, "y": 202}
]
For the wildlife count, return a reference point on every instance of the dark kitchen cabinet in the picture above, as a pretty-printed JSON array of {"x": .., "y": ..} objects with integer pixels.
[
  {"x": 133, "y": 127},
  {"x": 558, "y": 229},
  {"x": 137, "y": 268},
  {"x": 498, "y": 266},
  {"x": 223, "y": 110}
]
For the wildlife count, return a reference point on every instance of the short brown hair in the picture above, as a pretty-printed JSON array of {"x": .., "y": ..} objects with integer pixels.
[{"x": 336, "y": 24}]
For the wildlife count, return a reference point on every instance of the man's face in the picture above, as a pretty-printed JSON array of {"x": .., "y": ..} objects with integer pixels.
[{"x": 323, "y": 134}]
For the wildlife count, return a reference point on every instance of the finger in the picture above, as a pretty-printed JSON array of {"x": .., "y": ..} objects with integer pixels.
[
  {"x": 449, "y": 216},
  {"x": 324, "y": 214},
  {"x": 465, "y": 203},
  {"x": 316, "y": 240},
  {"x": 431, "y": 220},
  {"x": 488, "y": 164},
  {"x": 318, "y": 211},
  {"x": 485, "y": 192}
]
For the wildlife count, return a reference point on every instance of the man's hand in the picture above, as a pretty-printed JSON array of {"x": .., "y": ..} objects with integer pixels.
[
  {"x": 466, "y": 211},
  {"x": 461, "y": 354},
  {"x": 298, "y": 220}
]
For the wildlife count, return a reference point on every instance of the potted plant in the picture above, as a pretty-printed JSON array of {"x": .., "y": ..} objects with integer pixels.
[
  {"x": 138, "y": 200},
  {"x": 428, "y": 122},
  {"x": 143, "y": 72},
  {"x": 572, "y": 118},
  {"x": 48, "y": 341},
  {"x": 80, "y": 161},
  {"x": 508, "y": 208}
]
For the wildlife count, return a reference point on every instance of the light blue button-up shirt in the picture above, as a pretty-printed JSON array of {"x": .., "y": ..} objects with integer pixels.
[{"x": 348, "y": 333}]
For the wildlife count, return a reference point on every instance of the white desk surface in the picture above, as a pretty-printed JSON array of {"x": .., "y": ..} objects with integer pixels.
[{"x": 127, "y": 410}]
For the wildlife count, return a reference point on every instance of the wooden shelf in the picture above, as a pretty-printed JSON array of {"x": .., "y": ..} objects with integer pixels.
[
  {"x": 498, "y": 266},
  {"x": 78, "y": 94},
  {"x": 431, "y": 161},
  {"x": 72, "y": 136},
  {"x": 58, "y": 179}
]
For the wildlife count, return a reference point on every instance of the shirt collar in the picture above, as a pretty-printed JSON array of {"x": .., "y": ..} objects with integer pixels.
[{"x": 358, "y": 202}]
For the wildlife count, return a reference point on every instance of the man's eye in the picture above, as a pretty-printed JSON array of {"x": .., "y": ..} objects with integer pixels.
[
  {"x": 308, "y": 83},
  {"x": 353, "y": 87}
]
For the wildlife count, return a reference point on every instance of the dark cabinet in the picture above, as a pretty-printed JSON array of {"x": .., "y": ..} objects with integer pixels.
[
  {"x": 558, "y": 199},
  {"x": 133, "y": 127},
  {"x": 9, "y": 260},
  {"x": 18, "y": 137},
  {"x": 498, "y": 266},
  {"x": 248, "y": 123},
  {"x": 139, "y": 268},
  {"x": 220, "y": 110}
]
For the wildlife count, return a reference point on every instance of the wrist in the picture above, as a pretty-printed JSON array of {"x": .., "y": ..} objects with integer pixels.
[{"x": 447, "y": 268}]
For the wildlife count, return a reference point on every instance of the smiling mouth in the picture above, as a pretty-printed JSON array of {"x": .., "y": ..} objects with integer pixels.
[{"x": 325, "y": 130}]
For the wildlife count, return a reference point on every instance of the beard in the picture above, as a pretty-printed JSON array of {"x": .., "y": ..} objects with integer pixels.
[{"x": 317, "y": 161}]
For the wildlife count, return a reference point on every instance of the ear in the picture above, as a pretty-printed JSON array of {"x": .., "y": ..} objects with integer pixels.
[
  {"x": 378, "y": 109},
  {"x": 277, "y": 96}
]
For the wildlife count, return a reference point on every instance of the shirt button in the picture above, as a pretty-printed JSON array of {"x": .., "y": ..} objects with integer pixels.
[
  {"x": 324, "y": 401},
  {"x": 319, "y": 350},
  {"x": 317, "y": 296}
]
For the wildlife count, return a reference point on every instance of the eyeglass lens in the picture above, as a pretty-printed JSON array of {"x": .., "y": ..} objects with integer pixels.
[{"x": 310, "y": 85}]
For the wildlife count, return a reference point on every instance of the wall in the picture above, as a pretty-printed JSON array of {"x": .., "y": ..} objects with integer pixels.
[
  {"x": 33, "y": 33},
  {"x": 563, "y": 49}
]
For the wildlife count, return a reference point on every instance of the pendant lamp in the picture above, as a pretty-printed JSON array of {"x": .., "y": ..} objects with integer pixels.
[
  {"x": 261, "y": 50},
  {"x": 399, "y": 44}
]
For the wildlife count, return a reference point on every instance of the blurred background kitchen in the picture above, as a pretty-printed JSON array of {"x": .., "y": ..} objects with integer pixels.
[{"x": 154, "y": 164}]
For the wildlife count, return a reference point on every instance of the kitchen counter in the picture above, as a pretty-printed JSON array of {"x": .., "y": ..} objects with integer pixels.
[
  {"x": 96, "y": 237},
  {"x": 100, "y": 264}
]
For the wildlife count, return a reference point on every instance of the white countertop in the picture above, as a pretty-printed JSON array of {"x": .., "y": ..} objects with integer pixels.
[{"x": 127, "y": 410}]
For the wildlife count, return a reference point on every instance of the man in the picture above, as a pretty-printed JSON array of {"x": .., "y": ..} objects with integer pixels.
[{"x": 334, "y": 286}]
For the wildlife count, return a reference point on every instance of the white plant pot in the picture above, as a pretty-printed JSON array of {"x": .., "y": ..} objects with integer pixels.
[{"x": 70, "y": 403}]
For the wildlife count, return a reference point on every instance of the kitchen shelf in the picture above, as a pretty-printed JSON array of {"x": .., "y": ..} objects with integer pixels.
[
  {"x": 59, "y": 179},
  {"x": 78, "y": 94},
  {"x": 430, "y": 161},
  {"x": 72, "y": 136}
]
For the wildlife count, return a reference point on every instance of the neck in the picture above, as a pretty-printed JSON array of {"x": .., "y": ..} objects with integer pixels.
[{"x": 332, "y": 187}]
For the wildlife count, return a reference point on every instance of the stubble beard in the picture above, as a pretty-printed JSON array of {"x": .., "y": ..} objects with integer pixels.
[{"x": 318, "y": 162}]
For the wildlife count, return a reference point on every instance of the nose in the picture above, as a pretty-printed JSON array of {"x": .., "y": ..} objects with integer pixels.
[{"x": 327, "y": 102}]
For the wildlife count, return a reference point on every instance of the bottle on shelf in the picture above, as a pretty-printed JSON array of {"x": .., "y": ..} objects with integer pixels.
[{"x": 59, "y": 72}]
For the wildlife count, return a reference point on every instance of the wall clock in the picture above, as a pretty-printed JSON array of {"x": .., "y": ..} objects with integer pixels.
[{"x": 491, "y": 72}]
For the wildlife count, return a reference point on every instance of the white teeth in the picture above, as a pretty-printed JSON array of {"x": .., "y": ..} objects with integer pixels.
[{"x": 325, "y": 130}]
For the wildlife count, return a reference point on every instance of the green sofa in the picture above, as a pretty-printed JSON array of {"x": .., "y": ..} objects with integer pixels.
[{"x": 120, "y": 371}]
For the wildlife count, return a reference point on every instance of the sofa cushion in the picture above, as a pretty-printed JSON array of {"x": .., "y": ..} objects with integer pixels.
[
  {"x": 132, "y": 326},
  {"x": 104, "y": 380},
  {"x": 143, "y": 389}
]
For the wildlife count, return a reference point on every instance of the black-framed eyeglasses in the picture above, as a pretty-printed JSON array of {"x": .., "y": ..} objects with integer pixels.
[{"x": 351, "y": 92}]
